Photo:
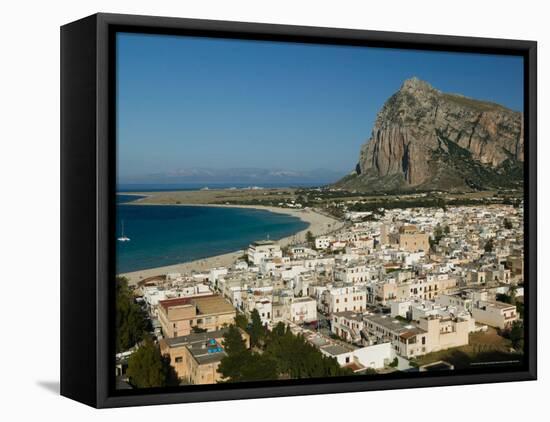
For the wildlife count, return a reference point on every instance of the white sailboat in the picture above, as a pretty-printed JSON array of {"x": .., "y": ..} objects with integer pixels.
[{"x": 123, "y": 238}]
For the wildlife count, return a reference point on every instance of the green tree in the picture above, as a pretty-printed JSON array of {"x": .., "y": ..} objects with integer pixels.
[
  {"x": 310, "y": 239},
  {"x": 489, "y": 246},
  {"x": 146, "y": 367},
  {"x": 241, "y": 321},
  {"x": 130, "y": 320},
  {"x": 233, "y": 342},
  {"x": 256, "y": 329},
  {"x": 503, "y": 297},
  {"x": 241, "y": 364},
  {"x": 237, "y": 355},
  {"x": 283, "y": 355},
  {"x": 297, "y": 358},
  {"x": 520, "y": 308},
  {"x": 437, "y": 236},
  {"x": 259, "y": 368},
  {"x": 512, "y": 292},
  {"x": 516, "y": 335}
]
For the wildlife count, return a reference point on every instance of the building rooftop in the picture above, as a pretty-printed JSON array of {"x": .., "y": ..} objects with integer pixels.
[
  {"x": 214, "y": 304},
  {"x": 335, "y": 349},
  {"x": 206, "y": 351},
  {"x": 302, "y": 299},
  {"x": 170, "y": 303},
  {"x": 195, "y": 337},
  {"x": 395, "y": 325},
  {"x": 318, "y": 341},
  {"x": 211, "y": 304},
  {"x": 496, "y": 304},
  {"x": 349, "y": 315},
  {"x": 263, "y": 242}
]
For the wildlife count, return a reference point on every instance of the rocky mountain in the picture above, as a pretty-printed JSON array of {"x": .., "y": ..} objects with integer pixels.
[{"x": 424, "y": 139}]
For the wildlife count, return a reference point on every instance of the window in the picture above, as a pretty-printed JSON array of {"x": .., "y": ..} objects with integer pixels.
[
  {"x": 423, "y": 340},
  {"x": 179, "y": 359}
]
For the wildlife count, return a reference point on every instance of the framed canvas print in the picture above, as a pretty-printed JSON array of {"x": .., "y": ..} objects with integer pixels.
[{"x": 253, "y": 210}]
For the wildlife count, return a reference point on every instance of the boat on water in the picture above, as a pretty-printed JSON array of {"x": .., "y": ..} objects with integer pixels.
[{"x": 123, "y": 237}]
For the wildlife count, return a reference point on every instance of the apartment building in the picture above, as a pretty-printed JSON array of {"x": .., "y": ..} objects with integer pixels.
[
  {"x": 413, "y": 240},
  {"x": 347, "y": 325},
  {"x": 354, "y": 272},
  {"x": 263, "y": 249},
  {"x": 344, "y": 298},
  {"x": 303, "y": 310},
  {"x": 177, "y": 317},
  {"x": 196, "y": 357},
  {"x": 323, "y": 242},
  {"x": 428, "y": 335},
  {"x": 262, "y": 303},
  {"x": 495, "y": 314}
]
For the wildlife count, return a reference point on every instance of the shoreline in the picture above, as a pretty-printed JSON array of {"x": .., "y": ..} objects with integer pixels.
[{"x": 318, "y": 224}]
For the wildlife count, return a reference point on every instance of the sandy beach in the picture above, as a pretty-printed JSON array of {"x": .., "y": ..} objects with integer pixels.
[{"x": 318, "y": 224}]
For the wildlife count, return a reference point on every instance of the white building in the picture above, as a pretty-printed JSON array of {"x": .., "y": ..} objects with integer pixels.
[
  {"x": 358, "y": 359},
  {"x": 496, "y": 314},
  {"x": 323, "y": 242},
  {"x": 344, "y": 298},
  {"x": 215, "y": 274},
  {"x": 347, "y": 325},
  {"x": 303, "y": 310},
  {"x": 263, "y": 249}
]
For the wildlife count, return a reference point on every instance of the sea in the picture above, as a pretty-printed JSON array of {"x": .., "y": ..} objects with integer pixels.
[{"x": 170, "y": 234}]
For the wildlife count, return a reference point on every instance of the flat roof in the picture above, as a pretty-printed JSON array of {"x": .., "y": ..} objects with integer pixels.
[
  {"x": 303, "y": 299},
  {"x": 496, "y": 304},
  {"x": 206, "y": 351},
  {"x": 335, "y": 349},
  {"x": 170, "y": 303},
  {"x": 195, "y": 337},
  {"x": 357, "y": 316},
  {"x": 263, "y": 242},
  {"x": 318, "y": 341},
  {"x": 393, "y": 324},
  {"x": 212, "y": 305}
]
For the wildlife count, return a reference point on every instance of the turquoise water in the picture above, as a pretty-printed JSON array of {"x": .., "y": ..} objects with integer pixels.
[{"x": 165, "y": 235}]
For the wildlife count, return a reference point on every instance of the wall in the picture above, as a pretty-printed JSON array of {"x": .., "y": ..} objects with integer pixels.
[
  {"x": 375, "y": 356},
  {"x": 30, "y": 176}
]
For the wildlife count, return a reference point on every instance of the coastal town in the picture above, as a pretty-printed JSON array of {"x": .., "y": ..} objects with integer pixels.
[{"x": 369, "y": 293}]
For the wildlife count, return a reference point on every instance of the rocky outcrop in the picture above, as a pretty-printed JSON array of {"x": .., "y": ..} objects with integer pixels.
[{"x": 421, "y": 135}]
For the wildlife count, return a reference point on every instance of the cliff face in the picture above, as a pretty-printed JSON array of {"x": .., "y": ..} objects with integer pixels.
[{"x": 425, "y": 139}]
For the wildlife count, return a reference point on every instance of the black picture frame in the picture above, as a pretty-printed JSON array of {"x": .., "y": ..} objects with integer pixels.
[{"x": 88, "y": 206}]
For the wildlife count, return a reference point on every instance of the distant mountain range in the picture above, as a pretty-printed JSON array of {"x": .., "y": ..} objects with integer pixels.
[
  {"x": 424, "y": 139},
  {"x": 240, "y": 176}
]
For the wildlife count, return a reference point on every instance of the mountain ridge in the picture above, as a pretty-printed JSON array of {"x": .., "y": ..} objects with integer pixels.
[
  {"x": 425, "y": 139},
  {"x": 239, "y": 175}
]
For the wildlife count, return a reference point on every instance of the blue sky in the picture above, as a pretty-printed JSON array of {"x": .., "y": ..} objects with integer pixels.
[{"x": 188, "y": 102}]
